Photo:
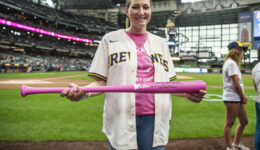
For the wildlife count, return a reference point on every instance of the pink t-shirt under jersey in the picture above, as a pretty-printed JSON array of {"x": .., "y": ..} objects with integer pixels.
[{"x": 144, "y": 103}]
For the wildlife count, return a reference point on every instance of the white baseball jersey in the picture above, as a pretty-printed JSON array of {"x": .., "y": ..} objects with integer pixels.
[
  {"x": 256, "y": 77},
  {"x": 231, "y": 68},
  {"x": 116, "y": 62}
]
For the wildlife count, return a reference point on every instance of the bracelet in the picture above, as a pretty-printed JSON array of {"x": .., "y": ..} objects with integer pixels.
[{"x": 85, "y": 96}]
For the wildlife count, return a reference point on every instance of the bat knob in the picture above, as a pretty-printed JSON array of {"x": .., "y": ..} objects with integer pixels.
[{"x": 23, "y": 90}]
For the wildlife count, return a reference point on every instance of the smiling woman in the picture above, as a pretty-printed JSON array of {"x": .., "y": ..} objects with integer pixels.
[
  {"x": 139, "y": 13},
  {"x": 133, "y": 56}
]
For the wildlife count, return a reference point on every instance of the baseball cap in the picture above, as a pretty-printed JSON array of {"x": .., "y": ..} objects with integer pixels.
[{"x": 237, "y": 44}]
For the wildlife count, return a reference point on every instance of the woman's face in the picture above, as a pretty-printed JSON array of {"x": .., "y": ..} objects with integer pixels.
[{"x": 139, "y": 13}]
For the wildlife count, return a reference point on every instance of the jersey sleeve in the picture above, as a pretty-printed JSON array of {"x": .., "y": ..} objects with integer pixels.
[
  {"x": 253, "y": 73},
  {"x": 171, "y": 70},
  {"x": 99, "y": 65},
  {"x": 256, "y": 71},
  {"x": 172, "y": 74},
  {"x": 233, "y": 69}
]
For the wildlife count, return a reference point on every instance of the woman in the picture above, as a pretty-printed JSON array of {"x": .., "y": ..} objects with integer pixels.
[
  {"x": 132, "y": 120},
  {"x": 256, "y": 79},
  {"x": 234, "y": 96}
]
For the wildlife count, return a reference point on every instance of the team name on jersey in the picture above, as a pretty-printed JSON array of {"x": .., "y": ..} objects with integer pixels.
[
  {"x": 116, "y": 58},
  {"x": 119, "y": 57},
  {"x": 158, "y": 58}
]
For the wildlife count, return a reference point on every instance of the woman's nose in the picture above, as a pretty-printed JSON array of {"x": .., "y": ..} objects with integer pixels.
[{"x": 141, "y": 11}]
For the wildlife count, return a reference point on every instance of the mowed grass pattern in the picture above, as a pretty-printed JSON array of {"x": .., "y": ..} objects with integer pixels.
[
  {"x": 206, "y": 119},
  {"x": 48, "y": 117},
  {"x": 213, "y": 78}
]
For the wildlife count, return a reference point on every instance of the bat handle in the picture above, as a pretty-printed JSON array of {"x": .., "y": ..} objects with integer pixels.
[{"x": 25, "y": 90}]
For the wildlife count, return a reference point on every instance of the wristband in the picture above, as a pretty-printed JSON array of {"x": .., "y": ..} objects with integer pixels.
[{"x": 85, "y": 96}]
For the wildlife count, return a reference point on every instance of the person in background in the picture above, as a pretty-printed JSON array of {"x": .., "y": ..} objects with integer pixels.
[
  {"x": 256, "y": 79},
  {"x": 133, "y": 56},
  {"x": 234, "y": 96},
  {"x": 259, "y": 52}
]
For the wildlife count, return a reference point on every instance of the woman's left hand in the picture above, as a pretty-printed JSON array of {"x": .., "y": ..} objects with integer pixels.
[{"x": 196, "y": 97}]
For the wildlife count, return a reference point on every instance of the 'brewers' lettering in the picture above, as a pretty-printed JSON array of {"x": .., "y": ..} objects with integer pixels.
[
  {"x": 113, "y": 59},
  {"x": 158, "y": 58},
  {"x": 119, "y": 57}
]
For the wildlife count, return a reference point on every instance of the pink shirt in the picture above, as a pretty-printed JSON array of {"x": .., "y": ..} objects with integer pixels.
[{"x": 144, "y": 103}]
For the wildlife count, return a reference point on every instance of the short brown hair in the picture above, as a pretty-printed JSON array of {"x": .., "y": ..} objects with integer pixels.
[{"x": 128, "y": 3}]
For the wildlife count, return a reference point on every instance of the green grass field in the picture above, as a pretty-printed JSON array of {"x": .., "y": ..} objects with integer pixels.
[{"x": 49, "y": 117}]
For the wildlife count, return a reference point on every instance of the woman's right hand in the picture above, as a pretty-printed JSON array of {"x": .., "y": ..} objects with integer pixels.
[
  {"x": 244, "y": 100},
  {"x": 72, "y": 93}
]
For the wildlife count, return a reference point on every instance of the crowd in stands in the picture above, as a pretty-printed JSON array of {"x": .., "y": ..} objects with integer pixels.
[
  {"x": 59, "y": 17},
  {"x": 31, "y": 20},
  {"x": 50, "y": 24},
  {"x": 46, "y": 53},
  {"x": 29, "y": 39},
  {"x": 40, "y": 63}
]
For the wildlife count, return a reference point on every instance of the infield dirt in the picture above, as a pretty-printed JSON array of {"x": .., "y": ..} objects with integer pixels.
[{"x": 185, "y": 144}]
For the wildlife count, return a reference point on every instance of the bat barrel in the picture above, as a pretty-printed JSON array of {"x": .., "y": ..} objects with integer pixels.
[{"x": 172, "y": 87}]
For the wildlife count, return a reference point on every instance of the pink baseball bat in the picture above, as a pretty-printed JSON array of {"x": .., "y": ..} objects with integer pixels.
[{"x": 153, "y": 87}]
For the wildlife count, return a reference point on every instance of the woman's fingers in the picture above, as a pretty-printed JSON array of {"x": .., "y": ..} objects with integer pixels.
[
  {"x": 244, "y": 100},
  {"x": 72, "y": 93},
  {"x": 196, "y": 97},
  {"x": 203, "y": 92},
  {"x": 64, "y": 92},
  {"x": 78, "y": 95}
]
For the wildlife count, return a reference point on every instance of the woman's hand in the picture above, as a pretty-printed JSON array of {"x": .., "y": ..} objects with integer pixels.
[
  {"x": 244, "y": 100},
  {"x": 196, "y": 97},
  {"x": 74, "y": 94}
]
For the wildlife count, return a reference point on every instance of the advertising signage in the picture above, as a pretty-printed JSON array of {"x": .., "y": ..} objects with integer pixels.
[{"x": 257, "y": 23}]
